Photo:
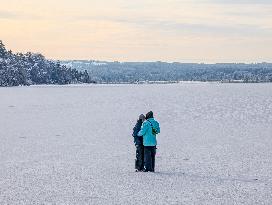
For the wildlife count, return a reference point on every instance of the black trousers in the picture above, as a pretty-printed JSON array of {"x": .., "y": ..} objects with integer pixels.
[
  {"x": 139, "y": 161},
  {"x": 149, "y": 158}
]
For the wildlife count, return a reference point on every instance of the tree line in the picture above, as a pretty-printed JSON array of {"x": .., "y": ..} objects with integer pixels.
[
  {"x": 133, "y": 72},
  {"x": 32, "y": 68}
]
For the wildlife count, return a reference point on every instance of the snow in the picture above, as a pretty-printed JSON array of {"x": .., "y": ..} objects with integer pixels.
[
  {"x": 87, "y": 63},
  {"x": 73, "y": 144},
  {"x": 98, "y": 63}
]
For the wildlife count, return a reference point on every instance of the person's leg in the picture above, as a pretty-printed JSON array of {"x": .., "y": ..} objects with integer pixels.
[
  {"x": 141, "y": 157},
  {"x": 153, "y": 154},
  {"x": 138, "y": 157},
  {"x": 147, "y": 159}
]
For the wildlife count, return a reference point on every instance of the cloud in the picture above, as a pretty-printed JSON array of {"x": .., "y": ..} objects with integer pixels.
[
  {"x": 238, "y": 1},
  {"x": 18, "y": 15},
  {"x": 176, "y": 27},
  {"x": 8, "y": 15}
]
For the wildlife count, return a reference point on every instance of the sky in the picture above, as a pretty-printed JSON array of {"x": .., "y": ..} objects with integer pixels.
[{"x": 140, "y": 30}]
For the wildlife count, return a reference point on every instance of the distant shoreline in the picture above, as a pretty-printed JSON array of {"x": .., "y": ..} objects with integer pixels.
[{"x": 128, "y": 83}]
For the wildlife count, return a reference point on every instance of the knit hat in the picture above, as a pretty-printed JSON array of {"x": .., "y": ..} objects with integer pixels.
[
  {"x": 142, "y": 117},
  {"x": 149, "y": 115}
]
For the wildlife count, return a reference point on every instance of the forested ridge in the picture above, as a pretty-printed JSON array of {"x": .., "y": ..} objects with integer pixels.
[
  {"x": 33, "y": 68},
  {"x": 134, "y": 72}
]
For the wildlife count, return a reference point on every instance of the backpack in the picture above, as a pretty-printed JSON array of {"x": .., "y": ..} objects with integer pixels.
[{"x": 154, "y": 131}]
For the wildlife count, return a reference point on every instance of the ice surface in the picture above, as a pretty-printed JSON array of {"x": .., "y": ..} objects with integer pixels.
[{"x": 73, "y": 144}]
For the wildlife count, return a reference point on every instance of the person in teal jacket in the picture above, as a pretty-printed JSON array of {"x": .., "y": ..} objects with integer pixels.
[{"x": 149, "y": 130}]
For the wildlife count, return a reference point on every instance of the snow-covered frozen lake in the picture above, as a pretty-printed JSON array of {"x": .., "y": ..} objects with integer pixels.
[{"x": 73, "y": 144}]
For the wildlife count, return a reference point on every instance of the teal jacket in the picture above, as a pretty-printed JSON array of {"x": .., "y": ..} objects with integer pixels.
[{"x": 149, "y": 139}]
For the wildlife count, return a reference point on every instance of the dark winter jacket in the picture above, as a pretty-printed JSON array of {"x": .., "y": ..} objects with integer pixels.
[{"x": 137, "y": 140}]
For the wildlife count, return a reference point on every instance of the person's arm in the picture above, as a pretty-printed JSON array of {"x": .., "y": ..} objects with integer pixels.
[
  {"x": 158, "y": 127},
  {"x": 143, "y": 130},
  {"x": 135, "y": 132}
]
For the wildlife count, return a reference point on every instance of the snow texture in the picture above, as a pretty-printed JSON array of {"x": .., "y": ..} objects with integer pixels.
[{"x": 73, "y": 144}]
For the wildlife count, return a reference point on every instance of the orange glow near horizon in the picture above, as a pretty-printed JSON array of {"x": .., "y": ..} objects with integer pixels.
[{"x": 143, "y": 30}]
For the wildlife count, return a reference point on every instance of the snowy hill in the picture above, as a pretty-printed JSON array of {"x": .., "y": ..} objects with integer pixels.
[{"x": 30, "y": 68}]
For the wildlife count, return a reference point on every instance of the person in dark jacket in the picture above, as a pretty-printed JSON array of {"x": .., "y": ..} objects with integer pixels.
[
  {"x": 138, "y": 141},
  {"x": 149, "y": 130}
]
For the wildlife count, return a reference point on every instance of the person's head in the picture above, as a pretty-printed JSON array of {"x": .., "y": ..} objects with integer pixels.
[
  {"x": 149, "y": 115},
  {"x": 142, "y": 117}
]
